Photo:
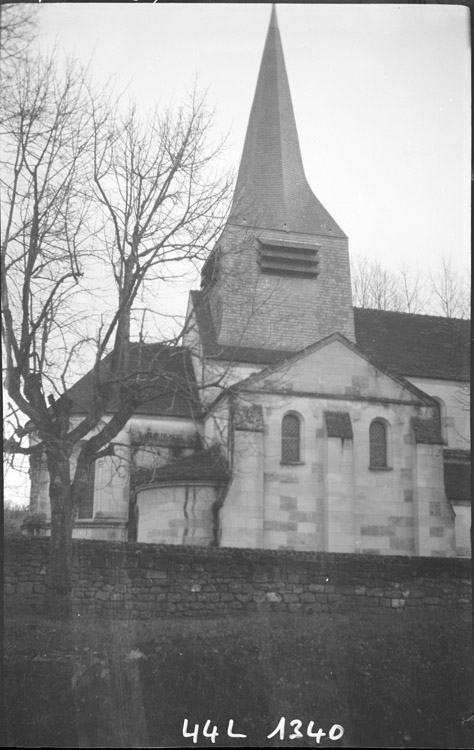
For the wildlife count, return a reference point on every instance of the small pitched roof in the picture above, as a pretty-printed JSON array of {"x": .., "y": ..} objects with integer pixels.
[
  {"x": 163, "y": 376},
  {"x": 422, "y": 346},
  {"x": 208, "y": 465},
  {"x": 272, "y": 191}
]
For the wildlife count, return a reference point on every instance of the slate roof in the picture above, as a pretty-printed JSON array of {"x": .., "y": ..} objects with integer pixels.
[
  {"x": 410, "y": 345},
  {"x": 271, "y": 190},
  {"x": 422, "y": 346},
  {"x": 243, "y": 354},
  {"x": 161, "y": 375},
  {"x": 207, "y": 465}
]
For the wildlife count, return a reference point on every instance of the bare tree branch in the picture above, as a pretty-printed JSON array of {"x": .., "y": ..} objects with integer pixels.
[
  {"x": 450, "y": 290},
  {"x": 444, "y": 292}
]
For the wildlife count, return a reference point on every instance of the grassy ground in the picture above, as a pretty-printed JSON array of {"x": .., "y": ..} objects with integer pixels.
[{"x": 390, "y": 679}]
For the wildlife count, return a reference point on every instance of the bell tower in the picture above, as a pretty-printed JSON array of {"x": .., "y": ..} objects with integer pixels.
[{"x": 279, "y": 278}]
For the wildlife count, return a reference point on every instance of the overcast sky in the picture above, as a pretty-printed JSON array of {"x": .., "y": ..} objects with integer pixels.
[{"x": 381, "y": 96}]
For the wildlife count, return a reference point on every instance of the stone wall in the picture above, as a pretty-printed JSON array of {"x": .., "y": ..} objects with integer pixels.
[
  {"x": 130, "y": 581},
  {"x": 332, "y": 500}
]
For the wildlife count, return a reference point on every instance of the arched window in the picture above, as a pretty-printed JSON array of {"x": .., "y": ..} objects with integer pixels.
[
  {"x": 290, "y": 439},
  {"x": 378, "y": 444}
]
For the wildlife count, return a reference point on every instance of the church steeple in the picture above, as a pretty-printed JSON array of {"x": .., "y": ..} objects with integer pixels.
[
  {"x": 279, "y": 277},
  {"x": 272, "y": 191}
]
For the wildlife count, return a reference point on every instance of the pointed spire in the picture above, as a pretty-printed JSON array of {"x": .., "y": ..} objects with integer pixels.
[
  {"x": 271, "y": 190},
  {"x": 273, "y": 17}
]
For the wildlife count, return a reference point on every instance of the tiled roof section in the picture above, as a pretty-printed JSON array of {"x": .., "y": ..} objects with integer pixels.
[
  {"x": 272, "y": 191},
  {"x": 228, "y": 353},
  {"x": 457, "y": 476},
  {"x": 338, "y": 424},
  {"x": 161, "y": 376},
  {"x": 427, "y": 430},
  {"x": 207, "y": 465},
  {"x": 422, "y": 346}
]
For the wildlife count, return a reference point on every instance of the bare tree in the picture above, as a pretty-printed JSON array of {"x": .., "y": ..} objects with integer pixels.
[
  {"x": 161, "y": 197},
  {"x": 450, "y": 290},
  {"x": 413, "y": 291},
  {"x": 407, "y": 289},
  {"x": 374, "y": 286},
  {"x": 89, "y": 194},
  {"x": 45, "y": 136},
  {"x": 17, "y": 30}
]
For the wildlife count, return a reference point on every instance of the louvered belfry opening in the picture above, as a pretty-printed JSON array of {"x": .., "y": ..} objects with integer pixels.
[{"x": 288, "y": 258}]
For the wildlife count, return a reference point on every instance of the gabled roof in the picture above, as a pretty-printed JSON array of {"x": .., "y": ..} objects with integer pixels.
[
  {"x": 163, "y": 377},
  {"x": 408, "y": 344},
  {"x": 422, "y": 346},
  {"x": 271, "y": 190},
  {"x": 252, "y": 380}
]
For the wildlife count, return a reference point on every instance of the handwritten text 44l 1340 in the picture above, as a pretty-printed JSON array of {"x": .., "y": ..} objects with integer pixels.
[{"x": 292, "y": 732}]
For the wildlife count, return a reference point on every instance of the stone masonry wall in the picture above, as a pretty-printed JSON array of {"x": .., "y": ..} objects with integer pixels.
[{"x": 130, "y": 581}]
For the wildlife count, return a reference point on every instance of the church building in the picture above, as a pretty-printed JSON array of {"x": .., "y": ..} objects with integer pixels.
[{"x": 288, "y": 419}]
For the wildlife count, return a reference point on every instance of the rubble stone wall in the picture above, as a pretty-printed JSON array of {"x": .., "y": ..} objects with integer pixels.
[{"x": 130, "y": 581}]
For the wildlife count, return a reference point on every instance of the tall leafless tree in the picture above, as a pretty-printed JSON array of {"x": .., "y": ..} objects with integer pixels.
[{"x": 88, "y": 194}]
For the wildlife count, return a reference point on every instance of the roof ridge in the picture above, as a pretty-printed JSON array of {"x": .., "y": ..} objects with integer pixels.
[
  {"x": 416, "y": 345},
  {"x": 417, "y": 315}
]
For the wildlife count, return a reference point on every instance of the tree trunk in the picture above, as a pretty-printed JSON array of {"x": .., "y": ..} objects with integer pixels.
[{"x": 59, "y": 581}]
